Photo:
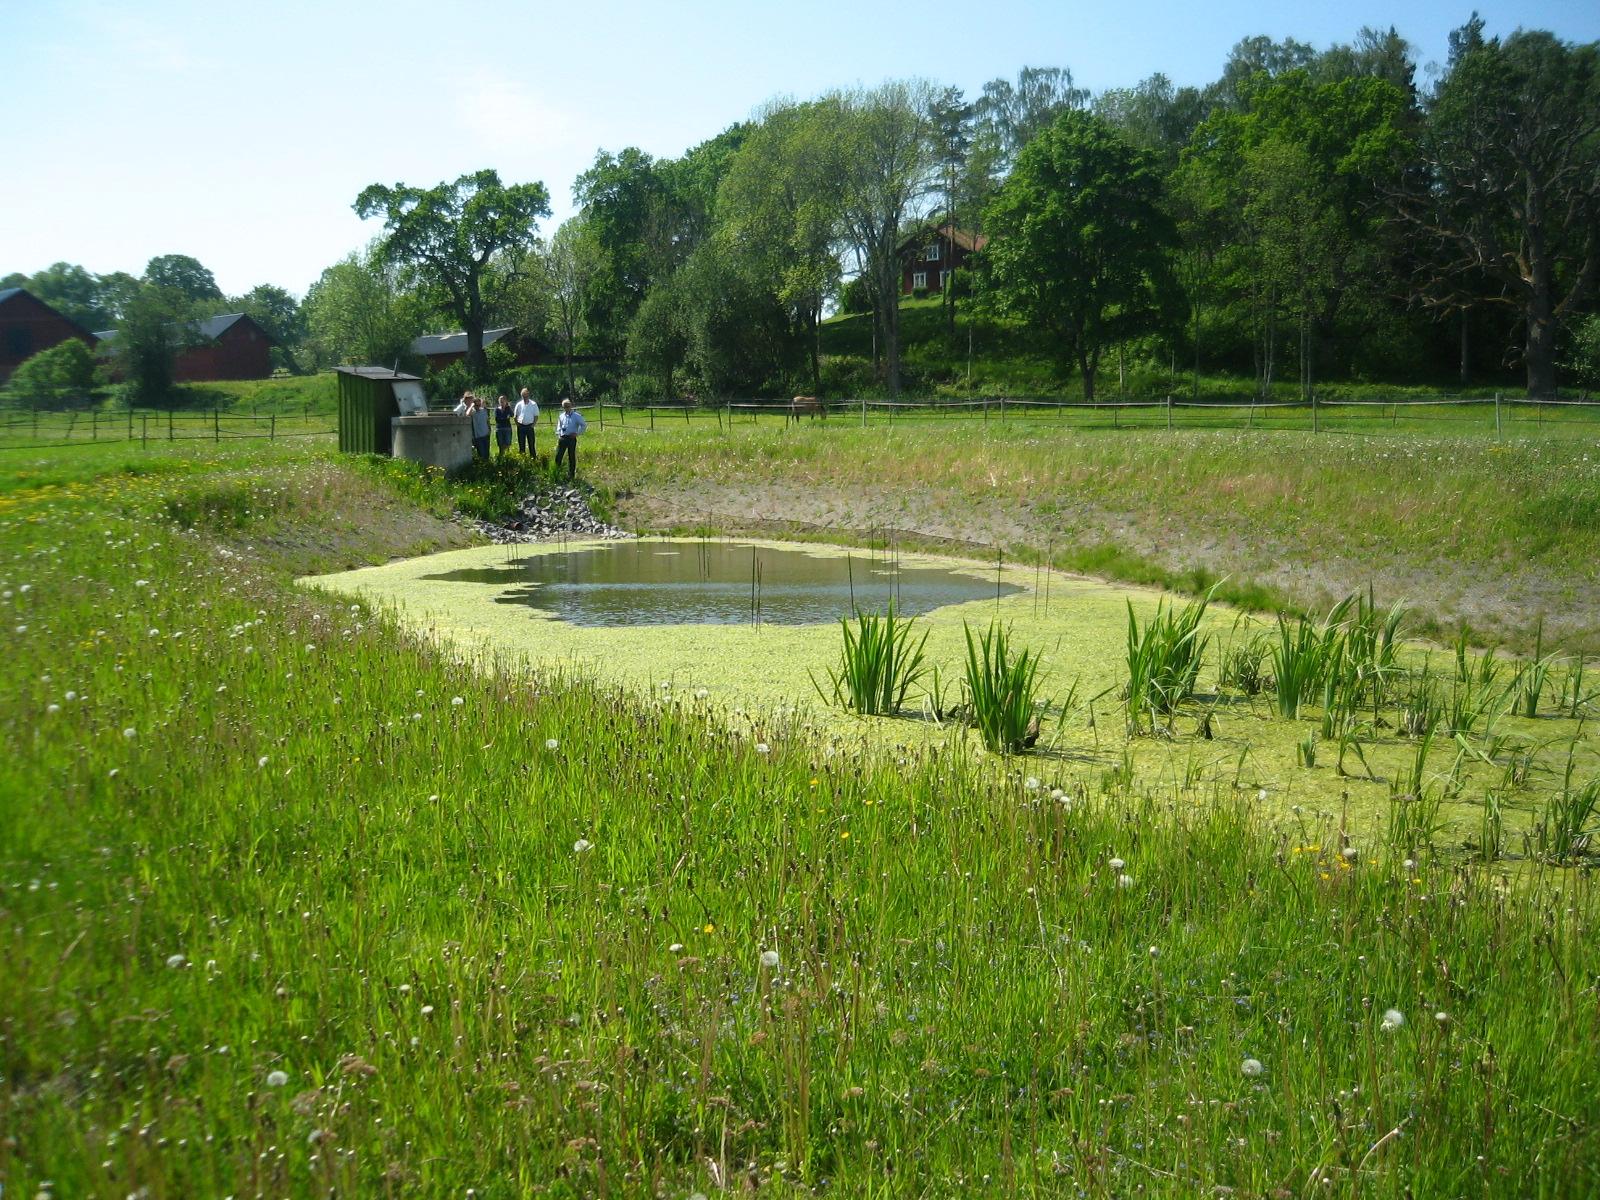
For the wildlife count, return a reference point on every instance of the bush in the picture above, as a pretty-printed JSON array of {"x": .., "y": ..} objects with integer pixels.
[
  {"x": 856, "y": 296},
  {"x": 60, "y": 377},
  {"x": 920, "y": 293}
]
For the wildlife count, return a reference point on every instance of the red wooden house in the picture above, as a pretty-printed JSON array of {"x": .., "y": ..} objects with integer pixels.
[
  {"x": 29, "y": 325},
  {"x": 231, "y": 346},
  {"x": 442, "y": 349},
  {"x": 931, "y": 256}
]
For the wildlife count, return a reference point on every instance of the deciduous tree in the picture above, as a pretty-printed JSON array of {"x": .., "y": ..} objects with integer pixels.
[{"x": 450, "y": 233}]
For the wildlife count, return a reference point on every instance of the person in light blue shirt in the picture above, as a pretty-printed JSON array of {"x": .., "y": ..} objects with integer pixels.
[{"x": 568, "y": 426}]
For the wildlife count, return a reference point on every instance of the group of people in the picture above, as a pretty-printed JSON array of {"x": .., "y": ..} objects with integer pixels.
[{"x": 524, "y": 415}]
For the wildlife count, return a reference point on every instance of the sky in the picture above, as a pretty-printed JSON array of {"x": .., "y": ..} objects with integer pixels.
[{"x": 241, "y": 134}]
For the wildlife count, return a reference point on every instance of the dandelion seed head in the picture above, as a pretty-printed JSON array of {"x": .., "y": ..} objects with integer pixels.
[
  {"x": 456, "y": 701},
  {"x": 1252, "y": 1068},
  {"x": 1116, "y": 864},
  {"x": 1393, "y": 1018},
  {"x": 675, "y": 948},
  {"x": 1031, "y": 783},
  {"x": 130, "y": 733},
  {"x": 262, "y": 761},
  {"x": 581, "y": 845},
  {"x": 1351, "y": 853},
  {"x": 176, "y": 960},
  {"x": 763, "y": 748},
  {"x": 276, "y": 1079},
  {"x": 551, "y": 743},
  {"x": 769, "y": 959}
]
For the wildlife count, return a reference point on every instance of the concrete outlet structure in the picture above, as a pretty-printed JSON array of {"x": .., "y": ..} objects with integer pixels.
[{"x": 438, "y": 439}]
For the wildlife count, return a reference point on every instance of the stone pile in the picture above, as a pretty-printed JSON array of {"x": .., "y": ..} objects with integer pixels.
[{"x": 562, "y": 512}]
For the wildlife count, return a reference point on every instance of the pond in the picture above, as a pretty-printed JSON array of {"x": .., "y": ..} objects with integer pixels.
[{"x": 661, "y": 582}]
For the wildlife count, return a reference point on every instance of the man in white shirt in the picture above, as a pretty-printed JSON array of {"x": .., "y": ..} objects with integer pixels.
[
  {"x": 527, "y": 416},
  {"x": 568, "y": 426}
]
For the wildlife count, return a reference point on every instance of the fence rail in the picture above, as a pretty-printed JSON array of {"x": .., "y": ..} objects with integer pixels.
[
  {"x": 40, "y": 428},
  {"x": 1466, "y": 414}
]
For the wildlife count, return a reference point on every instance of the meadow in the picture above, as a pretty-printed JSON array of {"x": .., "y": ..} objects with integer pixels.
[{"x": 295, "y": 898}]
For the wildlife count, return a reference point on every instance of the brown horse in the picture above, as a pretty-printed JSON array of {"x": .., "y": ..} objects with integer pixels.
[{"x": 807, "y": 406}]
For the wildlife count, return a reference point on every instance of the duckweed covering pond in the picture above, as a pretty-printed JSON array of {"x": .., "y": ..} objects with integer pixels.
[{"x": 761, "y": 678}]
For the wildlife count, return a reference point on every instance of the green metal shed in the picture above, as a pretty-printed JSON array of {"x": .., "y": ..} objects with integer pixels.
[{"x": 368, "y": 401}]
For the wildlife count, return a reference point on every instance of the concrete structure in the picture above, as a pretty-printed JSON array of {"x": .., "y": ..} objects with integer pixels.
[{"x": 438, "y": 439}]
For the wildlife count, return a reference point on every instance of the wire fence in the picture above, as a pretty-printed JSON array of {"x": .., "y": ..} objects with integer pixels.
[
  {"x": 42, "y": 427},
  {"x": 1493, "y": 416},
  {"x": 1496, "y": 415}
]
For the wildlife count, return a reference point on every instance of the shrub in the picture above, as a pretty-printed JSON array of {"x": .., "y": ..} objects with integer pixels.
[{"x": 60, "y": 377}]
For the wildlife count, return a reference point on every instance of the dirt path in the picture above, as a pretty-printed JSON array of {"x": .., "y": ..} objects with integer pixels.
[{"x": 1502, "y": 603}]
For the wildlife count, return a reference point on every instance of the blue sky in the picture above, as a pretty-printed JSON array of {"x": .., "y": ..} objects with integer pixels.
[{"x": 241, "y": 134}]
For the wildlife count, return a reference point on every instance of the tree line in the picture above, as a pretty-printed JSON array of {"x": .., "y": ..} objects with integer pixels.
[{"x": 1309, "y": 214}]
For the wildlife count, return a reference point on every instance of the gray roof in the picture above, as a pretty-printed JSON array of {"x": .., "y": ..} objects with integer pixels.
[
  {"x": 378, "y": 373},
  {"x": 431, "y": 344},
  {"x": 209, "y": 329},
  {"x": 7, "y": 293}
]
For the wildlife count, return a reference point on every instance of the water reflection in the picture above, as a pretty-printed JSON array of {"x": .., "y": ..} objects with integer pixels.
[{"x": 648, "y": 582}]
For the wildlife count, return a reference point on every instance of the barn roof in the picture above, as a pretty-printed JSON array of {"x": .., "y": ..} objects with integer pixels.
[
  {"x": 378, "y": 373},
  {"x": 7, "y": 293},
  {"x": 431, "y": 344},
  {"x": 209, "y": 329},
  {"x": 964, "y": 238}
]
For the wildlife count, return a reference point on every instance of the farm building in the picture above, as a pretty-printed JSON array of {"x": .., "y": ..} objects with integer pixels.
[
  {"x": 931, "y": 256},
  {"x": 442, "y": 349},
  {"x": 29, "y": 325},
  {"x": 230, "y": 346}
]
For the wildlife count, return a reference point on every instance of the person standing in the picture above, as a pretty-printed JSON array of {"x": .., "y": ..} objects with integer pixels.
[
  {"x": 568, "y": 426},
  {"x": 502, "y": 424},
  {"x": 480, "y": 427},
  {"x": 464, "y": 405},
  {"x": 527, "y": 416}
]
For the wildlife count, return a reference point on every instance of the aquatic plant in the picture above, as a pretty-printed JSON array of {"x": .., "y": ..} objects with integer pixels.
[
  {"x": 880, "y": 662},
  {"x": 1002, "y": 688},
  {"x": 1164, "y": 657}
]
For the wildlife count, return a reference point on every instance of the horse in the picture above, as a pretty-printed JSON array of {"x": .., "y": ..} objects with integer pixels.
[{"x": 806, "y": 406}]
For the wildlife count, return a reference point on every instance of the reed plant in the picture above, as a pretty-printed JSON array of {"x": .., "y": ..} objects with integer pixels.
[
  {"x": 1164, "y": 658},
  {"x": 1299, "y": 658},
  {"x": 1002, "y": 687},
  {"x": 1532, "y": 676},
  {"x": 881, "y": 660}
]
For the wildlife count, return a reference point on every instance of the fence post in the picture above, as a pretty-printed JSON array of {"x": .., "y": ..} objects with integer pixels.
[
  {"x": 216, "y": 427},
  {"x": 1169, "y": 412},
  {"x": 1497, "y": 415},
  {"x": 169, "y": 425},
  {"x": 94, "y": 426},
  {"x": 130, "y": 424},
  {"x": 144, "y": 430},
  {"x": 652, "y": 411},
  {"x": 863, "y": 412},
  {"x": 1316, "y": 426},
  {"x": 272, "y": 428}
]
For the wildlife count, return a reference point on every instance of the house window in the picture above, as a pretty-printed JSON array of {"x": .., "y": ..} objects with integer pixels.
[
  {"x": 931, "y": 254},
  {"x": 944, "y": 280},
  {"x": 919, "y": 279}
]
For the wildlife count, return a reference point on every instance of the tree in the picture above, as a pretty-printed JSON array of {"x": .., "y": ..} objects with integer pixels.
[
  {"x": 358, "y": 312},
  {"x": 59, "y": 377},
  {"x": 779, "y": 208},
  {"x": 1010, "y": 114},
  {"x": 153, "y": 329},
  {"x": 657, "y": 342},
  {"x": 889, "y": 163},
  {"x": 184, "y": 275},
  {"x": 280, "y": 314},
  {"x": 1510, "y": 188},
  {"x": 69, "y": 289},
  {"x": 449, "y": 234},
  {"x": 1080, "y": 242},
  {"x": 570, "y": 265}
]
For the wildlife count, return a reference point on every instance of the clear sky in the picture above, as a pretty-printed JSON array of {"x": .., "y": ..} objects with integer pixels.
[{"x": 241, "y": 133}]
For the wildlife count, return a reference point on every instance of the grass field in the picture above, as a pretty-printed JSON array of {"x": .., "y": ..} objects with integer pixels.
[{"x": 294, "y": 900}]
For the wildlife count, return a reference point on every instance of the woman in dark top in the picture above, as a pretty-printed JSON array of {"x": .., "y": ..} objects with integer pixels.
[{"x": 502, "y": 424}]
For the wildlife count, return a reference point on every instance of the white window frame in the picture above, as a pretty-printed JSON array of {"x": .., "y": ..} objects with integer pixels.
[
  {"x": 944, "y": 278},
  {"x": 919, "y": 279},
  {"x": 931, "y": 254}
]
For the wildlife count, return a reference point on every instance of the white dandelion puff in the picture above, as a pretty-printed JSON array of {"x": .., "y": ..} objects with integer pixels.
[
  {"x": 551, "y": 743},
  {"x": 276, "y": 1079},
  {"x": 581, "y": 845},
  {"x": 176, "y": 960},
  {"x": 675, "y": 948},
  {"x": 130, "y": 733},
  {"x": 1116, "y": 864},
  {"x": 1252, "y": 1068},
  {"x": 1392, "y": 1019},
  {"x": 1031, "y": 783},
  {"x": 263, "y": 761},
  {"x": 769, "y": 959},
  {"x": 763, "y": 748},
  {"x": 1124, "y": 881},
  {"x": 456, "y": 701}
]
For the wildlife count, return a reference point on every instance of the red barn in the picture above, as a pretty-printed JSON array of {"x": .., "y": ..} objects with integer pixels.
[
  {"x": 442, "y": 349},
  {"x": 231, "y": 346},
  {"x": 931, "y": 256},
  {"x": 29, "y": 325}
]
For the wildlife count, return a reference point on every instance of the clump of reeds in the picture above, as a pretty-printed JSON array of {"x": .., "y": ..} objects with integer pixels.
[
  {"x": 1002, "y": 688},
  {"x": 1164, "y": 658},
  {"x": 880, "y": 662}
]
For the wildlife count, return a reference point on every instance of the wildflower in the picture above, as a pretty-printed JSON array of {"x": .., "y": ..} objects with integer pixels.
[
  {"x": 130, "y": 733},
  {"x": 1351, "y": 853},
  {"x": 52, "y": 708},
  {"x": 710, "y": 928},
  {"x": 1252, "y": 1068},
  {"x": 176, "y": 960},
  {"x": 1410, "y": 864},
  {"x": 1392, "y": 1019},
  {"x": 763, "y": 748},
  {"x": 582, "y": 844},
  {"x": 844, "y": 835},
  {"x": 456, "y": 701},
  {"x": 276, "y": 1079},
  {"x": 427, "y": 1010},
  {"x": 1116, "y": 864},
  {"x": 1442, "y": 1018},
  {"x": 1031, "y": 783},
  {"x": 262, "y": 761},
  {"x": 769, "y": 959},
  {"x": 675, "y": 948},
  {"x": 551, "y": 743},
  {"x": 1261, "y": 794}
]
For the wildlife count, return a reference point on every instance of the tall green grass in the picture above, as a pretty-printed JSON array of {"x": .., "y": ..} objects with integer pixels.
[
  {"x": 880, "y": 662},
  {"x": 1003, "y": 689},
  {"x": 1164, "y": 658}
]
